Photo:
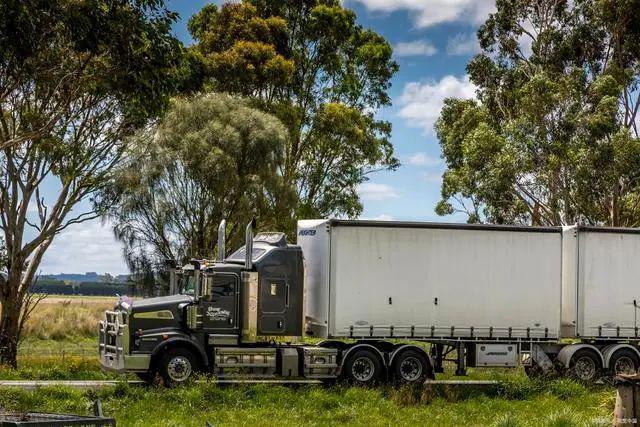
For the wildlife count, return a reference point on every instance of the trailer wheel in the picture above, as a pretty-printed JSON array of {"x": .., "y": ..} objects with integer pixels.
[
  {"x": 624, "y": 361},
  {"x": 177, "y": 366},
  {"x": 585, "y": 366},
  {"x": 363, "y": 367},
  {"x": 410, "y": 367}
]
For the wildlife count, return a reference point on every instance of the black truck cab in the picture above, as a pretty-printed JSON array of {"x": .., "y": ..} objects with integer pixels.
[{"x": 231, "y": 303}]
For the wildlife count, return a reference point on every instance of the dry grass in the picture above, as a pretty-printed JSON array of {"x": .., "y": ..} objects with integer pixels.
[{"x": 59, "y": 318}]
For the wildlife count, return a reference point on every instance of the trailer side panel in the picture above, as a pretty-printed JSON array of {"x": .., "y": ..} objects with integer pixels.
[
  {"x": 445, "y": 282},
  {"x": 608, "y": 285}
]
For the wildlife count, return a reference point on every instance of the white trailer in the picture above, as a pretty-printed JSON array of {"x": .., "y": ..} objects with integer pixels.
[{"x": 500, "y": 295}]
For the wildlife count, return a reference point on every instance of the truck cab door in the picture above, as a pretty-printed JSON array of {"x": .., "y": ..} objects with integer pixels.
[{"x": 220, "y": 306}]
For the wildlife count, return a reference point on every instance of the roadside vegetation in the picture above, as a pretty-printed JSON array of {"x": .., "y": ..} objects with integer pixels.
[{"x": 519, "y": 403}]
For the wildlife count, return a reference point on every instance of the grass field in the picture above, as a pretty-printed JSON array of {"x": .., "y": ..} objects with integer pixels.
[
  {"x": 518, "y": 403},
  {"x": 66, "y": 317},
  {"x": 61, "y": 344}
]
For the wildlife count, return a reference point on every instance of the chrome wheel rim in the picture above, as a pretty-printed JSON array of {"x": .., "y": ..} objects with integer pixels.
[
  {"x": 363, "y": 369},
  {"x": 410, "y": 369},
  {"x": 624, "y": 365},
  {"x": 585, "y": 368},
  {"x": 179, "y": 368}
]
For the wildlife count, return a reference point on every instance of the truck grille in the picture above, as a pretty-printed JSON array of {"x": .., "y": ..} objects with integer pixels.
[{"x": 113, "y": 339}]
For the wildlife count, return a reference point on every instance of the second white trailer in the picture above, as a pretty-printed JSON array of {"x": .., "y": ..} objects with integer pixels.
[{"x": 601, "y": 283}]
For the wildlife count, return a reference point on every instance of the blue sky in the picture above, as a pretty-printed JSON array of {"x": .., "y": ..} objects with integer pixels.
[{"x": 433, "y": 41}]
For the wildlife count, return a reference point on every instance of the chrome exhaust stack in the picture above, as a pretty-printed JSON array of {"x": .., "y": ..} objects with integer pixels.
[
  {"x": 222, "y": 229},
  {"x": 248, "y": 261}
]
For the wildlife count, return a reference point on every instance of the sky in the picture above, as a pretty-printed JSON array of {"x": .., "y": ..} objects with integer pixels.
[{"x": 433, "y": 41}]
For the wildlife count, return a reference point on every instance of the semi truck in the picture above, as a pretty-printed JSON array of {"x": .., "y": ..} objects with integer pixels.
[{"x": 376, "y": 301}]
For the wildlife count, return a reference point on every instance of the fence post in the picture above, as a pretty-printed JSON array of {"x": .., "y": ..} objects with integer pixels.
[{"x": 627, "y": 408}]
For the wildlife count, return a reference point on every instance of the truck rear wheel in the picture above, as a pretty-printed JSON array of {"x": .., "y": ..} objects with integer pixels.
[
  {"x": 624, "y": 361},
  {"x": 177, "y": 366},
  {"x": 363, "y": 367},
  {"x": 585, "y": 366},
  {"x": 410, "y": 367}
]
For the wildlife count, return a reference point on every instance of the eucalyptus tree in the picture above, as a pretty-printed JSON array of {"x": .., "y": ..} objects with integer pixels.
[
  {"x": 552, "y": 137},
  {"x": 323, "y": 75},
  {"x": 211, "y": 157},
  {"x": 75, "y": 79}
]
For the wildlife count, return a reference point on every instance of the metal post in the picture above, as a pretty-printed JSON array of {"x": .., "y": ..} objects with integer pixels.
[
  {"x": 248, "y": 263},
  {"x": 461, "y": 369},
  {"x": 438, "y": 368},
  {"x": 222, "y": 229}
]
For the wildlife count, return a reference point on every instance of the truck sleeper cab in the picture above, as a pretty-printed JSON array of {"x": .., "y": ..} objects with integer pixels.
[{"x": 378, "y": 294}]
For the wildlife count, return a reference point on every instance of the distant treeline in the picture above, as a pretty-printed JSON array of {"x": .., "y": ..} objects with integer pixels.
[{"x": 58, "y": 287}]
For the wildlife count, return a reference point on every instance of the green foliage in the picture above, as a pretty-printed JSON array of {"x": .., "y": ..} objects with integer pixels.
[
  {"x": 211, "y": 157},
  {"x": 76, "y": 78},
  {"x": 323, "y": 75},
  {"x": 58, "y": 51},
  {"x": 552, "y": 138}
]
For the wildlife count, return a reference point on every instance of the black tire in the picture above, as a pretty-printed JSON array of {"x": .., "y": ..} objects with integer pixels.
[
  {"x": 585, "y": 366},
  {"x": 411, "y": 367},
  {"x": 148, "y": 377},
  {"x": 177, "y": 366},
  {"x": 624, "y": 361},
  {"x": 363, "y": 367}
]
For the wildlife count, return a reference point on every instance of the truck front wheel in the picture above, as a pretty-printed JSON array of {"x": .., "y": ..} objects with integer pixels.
[
  {"x": 177, "y": 366},
  {"x": 363, "y": 367}
]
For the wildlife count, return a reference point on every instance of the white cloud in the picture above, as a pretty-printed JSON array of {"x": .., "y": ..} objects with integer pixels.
[
  {"x": 422, "y": 159},
  {"x": 383, "y": 217},
  {"x": 415, "y": 48},
  {"x": 427, "y": 13},
  {"x": 463, "y": 44},
  {"x": 433, "y": 177},
  {"x": 376, "y": 192},
  {"x": 88, "y": 246},
  {"x": 421, "y": 102},
  {"x": 525, "y": 42}
]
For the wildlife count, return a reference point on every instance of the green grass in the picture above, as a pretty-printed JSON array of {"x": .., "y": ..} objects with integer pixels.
[
  {"x": 57, "y": 360},
  {"x": 554, "y": 404}
]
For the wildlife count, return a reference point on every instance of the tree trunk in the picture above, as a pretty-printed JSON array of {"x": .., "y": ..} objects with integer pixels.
[{"x": 9, "y": 326}]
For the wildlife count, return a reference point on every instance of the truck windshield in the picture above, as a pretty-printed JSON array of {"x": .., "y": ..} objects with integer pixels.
[{"x": 186, "y": 284}]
